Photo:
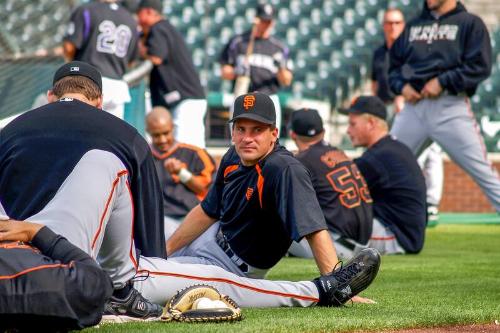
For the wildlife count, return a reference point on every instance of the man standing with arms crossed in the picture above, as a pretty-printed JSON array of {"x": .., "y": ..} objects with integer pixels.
[
  {"x": 269, "y": 66},
  {"x": 437, "y": 64},
  {"x": 104, "y": 34}
]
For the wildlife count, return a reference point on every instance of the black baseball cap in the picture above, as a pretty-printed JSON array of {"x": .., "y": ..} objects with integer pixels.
[
  {"x": 255, "y": 106},
  {"x": 78, "y": 68},
  {"x": 155, "y": 4},
  {"x": 367, "y": 104},
  {"x": 265, "y": 11},
  {"x": 306, "y": 122}
]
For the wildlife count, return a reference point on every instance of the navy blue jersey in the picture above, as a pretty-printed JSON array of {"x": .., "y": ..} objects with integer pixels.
[
  {"x": 397, "y": 186},
  {"x": 380, "y": 73},
  {"x": 269, "y": 54},
  {"x": 104, "y": 35},
  {"x": 175, "y": 79},
  {"x": 262, "y": 208},
  {"x": 50, "y": 285},
  {"x": 178, "y": 199},
  {"x": 40, "y": 148},
  {"x": 341, "y": 191},
  {"x": 455, "y": 48}
]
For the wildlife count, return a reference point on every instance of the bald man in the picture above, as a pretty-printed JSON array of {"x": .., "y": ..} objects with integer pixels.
[{"x": 185, "y": 171}]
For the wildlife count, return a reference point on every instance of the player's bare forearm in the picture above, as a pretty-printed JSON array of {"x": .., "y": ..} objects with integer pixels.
[
  {"x": 284, "y": 77},
  {"x": 323, "y": 250},
  {"x": 195, "y": 223},
  {"x": 198, "y": 185}
]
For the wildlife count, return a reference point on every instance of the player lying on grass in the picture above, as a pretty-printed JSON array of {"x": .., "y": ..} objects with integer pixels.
[
  {"x": 48, "y": 284},
  {"x": 162, "y": 278}
]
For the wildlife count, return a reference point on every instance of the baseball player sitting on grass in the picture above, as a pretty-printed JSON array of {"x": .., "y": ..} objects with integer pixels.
[
  {"x": 62, "y": 287},
  {"x": 340, "y": 188},
  {"x": 89, "y": 177},
  {"x": 394, "y": 178},
  {"x": 185, "y": 171}
]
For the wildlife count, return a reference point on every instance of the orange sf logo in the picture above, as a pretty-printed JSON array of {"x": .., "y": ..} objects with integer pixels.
[
  {"x": 249, "y": 193},
  {"x": 248, "y": 101}
]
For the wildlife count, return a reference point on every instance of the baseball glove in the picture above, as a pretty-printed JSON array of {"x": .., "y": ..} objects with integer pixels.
[{"x": 201, "y": 304}]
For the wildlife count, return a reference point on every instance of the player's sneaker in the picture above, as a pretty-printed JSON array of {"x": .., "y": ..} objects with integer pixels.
[
  {"x": 349, "y": 279},
  {"x": 134, "y": 307},
  {"x": 432, "y": 215}
]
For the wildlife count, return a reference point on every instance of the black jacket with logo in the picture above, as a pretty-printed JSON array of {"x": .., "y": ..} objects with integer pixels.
[{"x": 455, "y": 48}]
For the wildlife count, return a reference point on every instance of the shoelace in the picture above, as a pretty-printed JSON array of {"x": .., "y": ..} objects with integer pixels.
[{"x": 345, "y": 274}]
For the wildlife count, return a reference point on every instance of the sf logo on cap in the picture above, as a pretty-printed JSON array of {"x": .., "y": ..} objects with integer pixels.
[
  {"x": 74, "y": 69},
  {"x": 248, "y": 101}
]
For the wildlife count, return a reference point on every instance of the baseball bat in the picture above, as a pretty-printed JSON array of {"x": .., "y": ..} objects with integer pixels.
[{"x": 243, "y": 81}]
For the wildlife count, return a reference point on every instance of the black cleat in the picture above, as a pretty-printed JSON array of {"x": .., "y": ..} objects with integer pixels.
[
  {"x": 134, "y": 307},
  {"x": 349, "y": 280}
]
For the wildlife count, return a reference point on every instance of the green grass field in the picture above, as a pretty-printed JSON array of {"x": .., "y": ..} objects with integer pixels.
[{"x": 454, "y": 281}]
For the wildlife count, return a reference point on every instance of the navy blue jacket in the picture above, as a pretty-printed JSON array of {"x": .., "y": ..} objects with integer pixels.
[
  {"x": 455, "y": 48},
  {"x": 397, "y": 187}
]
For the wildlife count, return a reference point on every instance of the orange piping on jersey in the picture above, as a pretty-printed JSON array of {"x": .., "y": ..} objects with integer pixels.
[
  {"x": 115, "y": 182},
  {"x": 230, "y": 168},
  {"x": 17, "y": 245},
  {"x": 244, "y": 286},
  {"x": 383, "y": 238},
  {"x": 131, "y": 251},
  {"x": 29, "y": 270},
  {"x": 165, "y": 154},
  {"x": 260, "y": 183}
]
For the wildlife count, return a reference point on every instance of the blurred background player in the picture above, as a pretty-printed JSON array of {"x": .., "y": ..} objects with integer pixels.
[
  {"x": 437, "y": 64},
  {"x": 430, "y": 160},
  {"x": 173, "y": 82},
  {"x": 104, "y": 34},
  {"x": 269, "y": 65},
  {"x": 395, "y": 180},
  {"x": 340, "y": 188},
  {"x": 185, "y": 171}
]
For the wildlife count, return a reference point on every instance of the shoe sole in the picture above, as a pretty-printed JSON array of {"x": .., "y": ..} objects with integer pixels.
[{"x": 115, "y": 319}]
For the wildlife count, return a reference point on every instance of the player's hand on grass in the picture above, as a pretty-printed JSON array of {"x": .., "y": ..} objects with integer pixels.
[
  {"x": 12, "y": 230},
  {"x": 432, "y": 89},
  {"x": 362, "y": 300},
  {"x": 410, "y": 94}
]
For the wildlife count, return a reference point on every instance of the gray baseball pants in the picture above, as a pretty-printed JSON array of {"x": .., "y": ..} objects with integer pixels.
[{"x": 448, "y": 120}]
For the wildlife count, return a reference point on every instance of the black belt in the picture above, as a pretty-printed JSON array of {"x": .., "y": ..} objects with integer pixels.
[{"x": 224, "y": 245}]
